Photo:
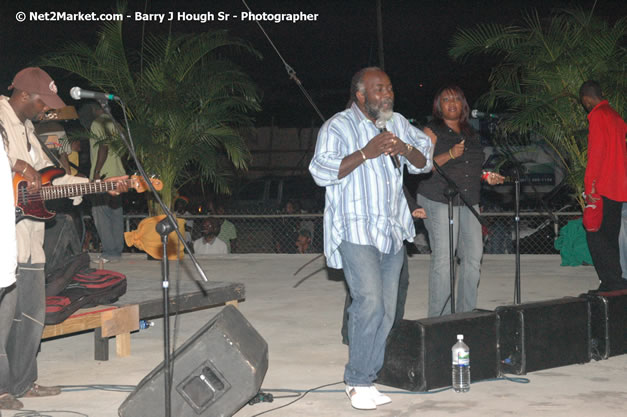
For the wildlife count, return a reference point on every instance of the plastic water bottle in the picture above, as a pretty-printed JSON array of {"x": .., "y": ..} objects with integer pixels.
[
  {"x": 461, "y": 365},
  {"x": 145, "y": 324}
]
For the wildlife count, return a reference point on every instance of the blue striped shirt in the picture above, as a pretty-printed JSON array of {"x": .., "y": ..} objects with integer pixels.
[{"x": 367, "y": 207}]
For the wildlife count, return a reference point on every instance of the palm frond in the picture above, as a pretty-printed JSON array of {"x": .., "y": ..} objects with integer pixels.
[
  {"x": 189, "y": 101},
  {"x": 490, "y": 39},
  {"x": 542, "y": 65}
]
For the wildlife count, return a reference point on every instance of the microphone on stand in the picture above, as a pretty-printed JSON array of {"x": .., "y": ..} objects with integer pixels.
[
  {"x": 476, "y": 114},
  {"x": 78, "y": 93},
  {"x": 380, "y": 124}
]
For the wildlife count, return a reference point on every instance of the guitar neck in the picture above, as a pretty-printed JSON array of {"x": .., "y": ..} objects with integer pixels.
[{"x": 54, "y": 192}]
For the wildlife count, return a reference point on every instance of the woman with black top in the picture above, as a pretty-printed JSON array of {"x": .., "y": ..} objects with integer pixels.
[{"x": 459, "y": 153}]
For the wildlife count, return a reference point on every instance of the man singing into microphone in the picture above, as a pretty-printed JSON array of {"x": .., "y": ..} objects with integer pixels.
[{"x": 366, "y": 218}]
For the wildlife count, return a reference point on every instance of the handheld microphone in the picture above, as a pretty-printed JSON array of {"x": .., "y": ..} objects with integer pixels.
[
  {"x": 476, "y": 114},
  {"x": 380, "y": 124},
  {"x": 78, "y": 93}
]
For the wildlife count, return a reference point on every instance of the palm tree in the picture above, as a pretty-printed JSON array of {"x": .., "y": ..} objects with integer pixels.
[
  {"x": 189, "y": 103},
  {"x": 542, "y": 65}
]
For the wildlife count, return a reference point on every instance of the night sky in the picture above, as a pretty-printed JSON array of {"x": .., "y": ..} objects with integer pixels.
[{"x": 324, "y": 53}]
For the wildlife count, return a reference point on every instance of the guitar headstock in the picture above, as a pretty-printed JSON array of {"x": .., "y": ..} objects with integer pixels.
[{"x": 139, "y": 184}]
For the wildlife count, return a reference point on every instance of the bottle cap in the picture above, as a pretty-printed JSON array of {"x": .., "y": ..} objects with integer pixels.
[{"x": 460, "y": 337}]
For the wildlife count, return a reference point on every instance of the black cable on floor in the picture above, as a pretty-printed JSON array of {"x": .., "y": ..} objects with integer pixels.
[
  {"x": 35, "y": 413},
  {"x": 518, "y": 380},
  {"x": 100, "y": 387},
  {"x": 300, "y": 397}
]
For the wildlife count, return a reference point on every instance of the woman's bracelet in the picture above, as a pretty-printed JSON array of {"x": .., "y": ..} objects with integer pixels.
[
  {"x": 363, "y": 155},
  {"x": 25, "y": 168},
  {"x": 451, "y": 154}
]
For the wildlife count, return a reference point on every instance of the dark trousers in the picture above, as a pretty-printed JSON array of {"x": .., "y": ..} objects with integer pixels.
[
  {"x": 8, "y": 298},
  {"x": 61, "y": 241},
  {"x": 27, "y": 328},
  {"x": 604, "y": 247},
  {"x": 403, "y": 285}
]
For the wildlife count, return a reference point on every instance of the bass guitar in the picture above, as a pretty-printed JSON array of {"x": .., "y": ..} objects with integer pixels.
[{"x": 30, "y": 204}]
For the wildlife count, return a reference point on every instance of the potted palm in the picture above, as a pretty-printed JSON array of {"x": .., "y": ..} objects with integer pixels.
[
  {"x": 188, "y": 103},
  {"x": 542, "y": 64}
]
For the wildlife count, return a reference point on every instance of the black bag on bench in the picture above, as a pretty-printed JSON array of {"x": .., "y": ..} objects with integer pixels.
[{"x": 87, "y": 288}]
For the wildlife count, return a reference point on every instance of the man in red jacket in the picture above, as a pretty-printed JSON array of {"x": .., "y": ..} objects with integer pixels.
[{"x": 606, "y": 174}]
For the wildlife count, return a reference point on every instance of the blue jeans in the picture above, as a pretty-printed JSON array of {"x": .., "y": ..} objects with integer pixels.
[
  {"x": 403, "y": 287},
  {"x": 468, "y": 247},
  {"x": 622, "y": 241},
  {"x": 372, "y": 279},
  {"x": 109, "y": 220}
]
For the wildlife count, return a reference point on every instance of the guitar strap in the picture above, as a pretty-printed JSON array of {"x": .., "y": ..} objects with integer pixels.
[{"x": 53, "y": 158}]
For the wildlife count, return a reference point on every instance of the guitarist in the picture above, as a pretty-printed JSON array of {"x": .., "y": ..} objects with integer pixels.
[{"x": 34, "y": 93}]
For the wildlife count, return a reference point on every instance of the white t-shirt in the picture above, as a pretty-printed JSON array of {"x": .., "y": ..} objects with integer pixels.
[
  {"x": 8, "y": 240},
  {"x": 217, "y": 247}
]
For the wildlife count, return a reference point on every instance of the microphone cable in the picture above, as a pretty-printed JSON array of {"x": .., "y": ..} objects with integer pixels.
[
  {"x": 292, "y": 75},
  {"x": 288, "y": 68}
]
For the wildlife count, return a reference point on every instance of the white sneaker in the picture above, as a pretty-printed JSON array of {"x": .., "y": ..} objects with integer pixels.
[
  {"x": 361, "y": 398},
  {"x": 377, "y": 397}
]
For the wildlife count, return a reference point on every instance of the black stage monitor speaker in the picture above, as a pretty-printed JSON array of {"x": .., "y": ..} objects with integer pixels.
[
  {"x": 418, "y": 352},
  {"x": 216, "y": 372},
  {"x": 608, "y": 323},
  {"x": 543, "y": 335}
]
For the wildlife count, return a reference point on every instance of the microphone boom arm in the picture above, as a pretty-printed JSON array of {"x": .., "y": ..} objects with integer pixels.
[{"x": 452, "y": 185}]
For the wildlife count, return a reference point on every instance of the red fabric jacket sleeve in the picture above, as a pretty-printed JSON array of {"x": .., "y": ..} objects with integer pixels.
[{"x": 607, "y": 153}]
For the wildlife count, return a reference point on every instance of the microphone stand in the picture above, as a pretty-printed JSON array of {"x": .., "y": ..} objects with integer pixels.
[
  {"x": 517, "y": 231},
  {"x": 516, "y": 171},
  {"x": 451, "y": 190},
  {"x": 164, "y": 228}
]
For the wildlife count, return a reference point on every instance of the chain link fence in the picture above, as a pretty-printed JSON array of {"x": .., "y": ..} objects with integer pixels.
[{"x": 303, "y": 233}]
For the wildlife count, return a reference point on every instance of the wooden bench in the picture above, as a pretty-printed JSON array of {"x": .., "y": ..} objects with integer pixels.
[
  {"x": 122, "y": 318},
  {"x": 106, "y": 321}
]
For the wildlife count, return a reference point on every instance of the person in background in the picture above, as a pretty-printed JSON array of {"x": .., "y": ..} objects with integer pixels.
[
  {"x": 69, "y": 156},
  {"x": 303, "y": 241},
  {"x": 459, "y": 152},
  {"x": 606, "y": 175},
  {"x": 366, "y": 218},
  {"x": 286, "y": 228},
  {"x": 180, "y": 209},
  {"x": 209, "y": 244},
  {"x": 228, "y": 231},
  {"x": 417, "y": 212},
  {"x": 105, "y": 163}
]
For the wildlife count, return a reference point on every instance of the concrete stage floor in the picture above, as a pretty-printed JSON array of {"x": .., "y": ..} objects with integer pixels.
[{"x": 302, "y": 328}]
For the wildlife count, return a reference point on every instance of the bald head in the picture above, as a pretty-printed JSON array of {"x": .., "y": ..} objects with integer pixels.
[
  {"x": 357, "y": 82},
  {"x": 373, "y": 93},
  {"x": 590, "y": 94}
]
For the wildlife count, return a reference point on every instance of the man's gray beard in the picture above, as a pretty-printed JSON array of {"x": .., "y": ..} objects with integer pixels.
[
  {"x": 377, "y": 113},
  {"x": 385, "y": 115}
]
